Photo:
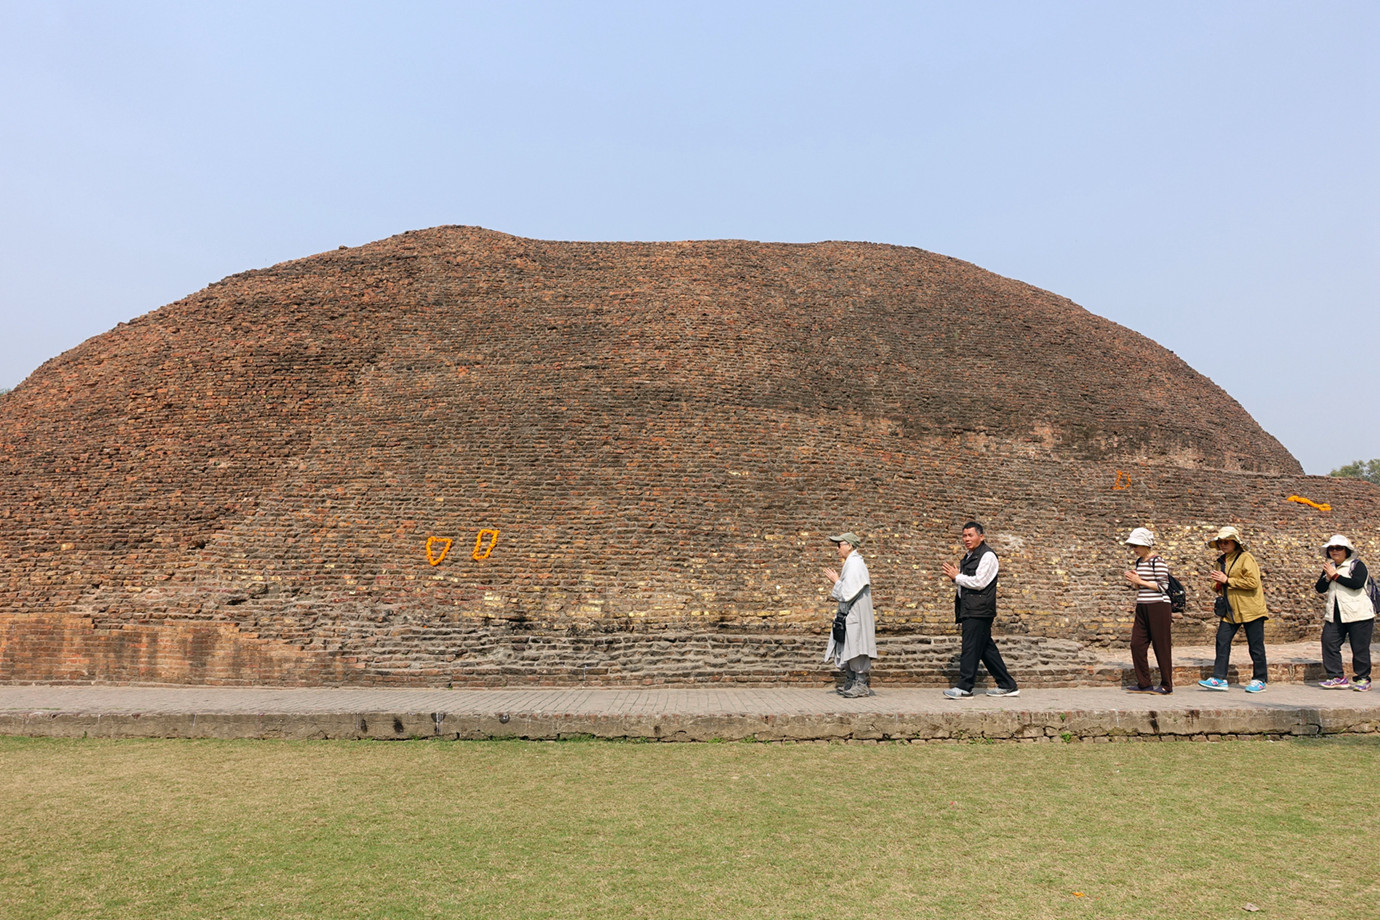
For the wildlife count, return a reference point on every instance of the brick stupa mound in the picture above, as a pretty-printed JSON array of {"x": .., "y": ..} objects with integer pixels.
[{"x": 623, "y": 459}]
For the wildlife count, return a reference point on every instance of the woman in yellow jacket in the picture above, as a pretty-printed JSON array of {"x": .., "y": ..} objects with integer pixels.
[{"x": 1241, "y": 604}]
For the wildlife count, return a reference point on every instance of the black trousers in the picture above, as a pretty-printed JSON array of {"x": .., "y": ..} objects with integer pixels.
[
  {"x": 978, "y": 646},
  {"x": 1151, "y": 627},
  {"x": 1358, "y": 634},
  {"x": 1255, "y": 641}
]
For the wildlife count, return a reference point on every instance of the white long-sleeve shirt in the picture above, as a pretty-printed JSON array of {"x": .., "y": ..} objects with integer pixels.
[{"x": 986, "y": 571}]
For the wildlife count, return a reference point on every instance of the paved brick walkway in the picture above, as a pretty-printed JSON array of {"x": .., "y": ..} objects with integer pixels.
[{"x": 679, "y": 713}]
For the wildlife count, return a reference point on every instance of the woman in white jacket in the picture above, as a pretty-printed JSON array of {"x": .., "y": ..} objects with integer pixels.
[
  {"x": 1348, "y": 615},
  {"x": 853, "y": 591}
]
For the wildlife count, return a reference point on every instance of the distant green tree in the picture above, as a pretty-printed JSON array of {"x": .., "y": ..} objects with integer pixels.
[{"x": 1369, "y": 470}]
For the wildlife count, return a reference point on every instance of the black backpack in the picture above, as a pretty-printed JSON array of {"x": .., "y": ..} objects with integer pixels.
[
  {"x": 1373, "y": 592},
  {"x": 1178, "y": 597}
]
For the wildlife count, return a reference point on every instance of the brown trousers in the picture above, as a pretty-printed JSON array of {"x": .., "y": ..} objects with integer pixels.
[{"x": 1151, "y": 627}]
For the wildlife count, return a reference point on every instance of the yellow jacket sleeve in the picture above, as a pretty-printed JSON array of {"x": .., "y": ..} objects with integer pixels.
[{"x": 1245, "y": 575}]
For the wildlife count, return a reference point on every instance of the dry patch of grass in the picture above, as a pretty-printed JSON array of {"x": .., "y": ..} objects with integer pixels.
[{"x": 173, "y": 829}]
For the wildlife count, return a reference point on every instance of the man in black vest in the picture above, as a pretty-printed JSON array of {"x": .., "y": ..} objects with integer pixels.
[{"x": 975, "y": 607}]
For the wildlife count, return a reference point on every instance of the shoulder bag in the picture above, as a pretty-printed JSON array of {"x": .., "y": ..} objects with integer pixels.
[{"x": 1221, "y": 607}]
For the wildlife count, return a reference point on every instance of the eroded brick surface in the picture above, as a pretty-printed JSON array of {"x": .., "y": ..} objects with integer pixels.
[{"x": 239, "y": 487}]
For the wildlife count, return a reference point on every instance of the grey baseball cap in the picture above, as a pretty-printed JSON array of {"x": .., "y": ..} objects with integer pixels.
[{"x": 850, "y": 538}]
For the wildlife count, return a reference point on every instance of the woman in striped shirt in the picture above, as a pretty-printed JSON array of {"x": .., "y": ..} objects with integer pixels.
[{"x": 1153, "y": 614}]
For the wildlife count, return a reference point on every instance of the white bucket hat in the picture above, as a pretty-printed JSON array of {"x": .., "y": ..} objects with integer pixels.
[
  {"x": 1141, "y": 536},
  {"x": 1338, "y": 540}
]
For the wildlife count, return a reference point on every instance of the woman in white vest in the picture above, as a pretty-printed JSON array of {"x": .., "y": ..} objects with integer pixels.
[{"x": 1348, "y": 615}]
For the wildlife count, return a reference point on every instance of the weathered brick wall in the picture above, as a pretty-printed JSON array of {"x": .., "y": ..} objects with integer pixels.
[
  {"x": 661, "y": 434},
  {"x": 67, "y": 648}
]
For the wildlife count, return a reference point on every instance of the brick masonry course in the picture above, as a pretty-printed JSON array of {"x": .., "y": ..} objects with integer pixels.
[{"x": 239, "y": 488}]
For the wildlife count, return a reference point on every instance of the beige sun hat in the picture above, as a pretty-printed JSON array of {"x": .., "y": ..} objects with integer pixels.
[
  {"x": 1228, "y": 533},
  {"x": 1141, "y": 536}
]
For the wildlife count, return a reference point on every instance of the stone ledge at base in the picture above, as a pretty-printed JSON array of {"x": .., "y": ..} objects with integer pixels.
[{"x": 705, "y": 715}]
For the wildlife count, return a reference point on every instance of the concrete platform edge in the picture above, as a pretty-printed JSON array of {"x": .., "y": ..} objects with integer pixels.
[{"x": 986, "y": 725}]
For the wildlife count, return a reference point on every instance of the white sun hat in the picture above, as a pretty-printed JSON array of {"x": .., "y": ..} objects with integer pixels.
[
  {"x": 1141, "y": 536},
  {"x": 1338, "y": 540}
]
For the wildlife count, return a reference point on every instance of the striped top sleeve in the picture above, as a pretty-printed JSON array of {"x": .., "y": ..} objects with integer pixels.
[{"x": 1153, "y": 569}]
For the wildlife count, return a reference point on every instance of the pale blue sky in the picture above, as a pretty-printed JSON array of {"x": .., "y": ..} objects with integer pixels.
[{"x": 1205, "y": 173}]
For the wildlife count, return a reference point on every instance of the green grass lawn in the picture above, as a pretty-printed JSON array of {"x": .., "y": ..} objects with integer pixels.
[{"x": 170, "y": 829}]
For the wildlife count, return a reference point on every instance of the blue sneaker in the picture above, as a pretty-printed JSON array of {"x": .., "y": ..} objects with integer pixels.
[
  {"x": 1255, "y": 686},
  {"x": 1213, "y": 683}
]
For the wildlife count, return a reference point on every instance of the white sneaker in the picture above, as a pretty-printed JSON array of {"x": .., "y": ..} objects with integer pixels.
[
  {"x": 998, "y": 691},
  {"x": 954, "y": 693}
]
